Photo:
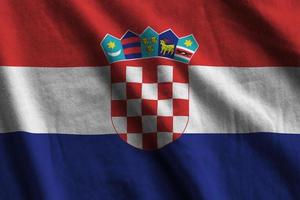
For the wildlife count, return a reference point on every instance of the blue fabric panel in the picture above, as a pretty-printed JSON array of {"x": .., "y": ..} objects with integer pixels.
[{"x": 200, "y": 166}]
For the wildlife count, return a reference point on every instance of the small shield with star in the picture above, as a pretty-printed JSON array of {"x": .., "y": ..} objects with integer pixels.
[{"x": 149, "y": 94}]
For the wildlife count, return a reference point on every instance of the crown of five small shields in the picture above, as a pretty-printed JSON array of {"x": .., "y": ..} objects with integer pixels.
[{"x": 149, "y": 86}]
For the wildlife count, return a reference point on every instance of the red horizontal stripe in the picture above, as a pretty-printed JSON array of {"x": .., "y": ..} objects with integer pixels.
[
  {"x": 230, "y": 33},
  {"x": 150, "y": 62},
  {"x": 130, "y": 40},
  {"x": 132, "y": 50}
]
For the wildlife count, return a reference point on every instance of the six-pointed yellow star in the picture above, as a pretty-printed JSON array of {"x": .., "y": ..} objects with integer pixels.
[
  {"x": 188, "y": 43},
  {"x": 111, "y": 45},
  {"x": 153, "y": 39}
]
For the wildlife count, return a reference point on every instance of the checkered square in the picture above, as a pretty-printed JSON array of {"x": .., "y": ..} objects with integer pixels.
[
  {"x": 164, "y": 124},
  {"x": 118, "y": 108},
  {"x": 149, "y": 91},
  {"x": 118, "y": 74},
  {"x": 180, "y": 74},
  {"x": 164, "y": 138},
  {"x": 180, "y": 107},
  {"x": 150, "y": 141},
  {"x": 150, "y": 104},
  {"x": 150, "y": 74},
  {"x": 134, "y": 125},
  {"x": 134, "y": 90},
  {"x": 179, "y": 123},
  {"x": 180, "y": 91},
  {"x": 134, "y": 74},
  {"x": 149, "y": 107},
  {"x": 118, "y": 91},
  {"x": 165, "y": 107},
  {"x": 135, "y": 140},
  {"x": 165, "y": 73},
  {"x": 134, "y": 107},
  {"x": 120, "y": 123},
  {"x": 165, "y": 90},
  {"x": 149, "y": 124}
]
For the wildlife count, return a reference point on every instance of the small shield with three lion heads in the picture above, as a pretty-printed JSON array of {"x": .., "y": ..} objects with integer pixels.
[{"x": 149, "y": 86}]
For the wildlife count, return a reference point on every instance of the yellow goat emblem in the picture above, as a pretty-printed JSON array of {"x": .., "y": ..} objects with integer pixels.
[{"x": 166, "y": 48}]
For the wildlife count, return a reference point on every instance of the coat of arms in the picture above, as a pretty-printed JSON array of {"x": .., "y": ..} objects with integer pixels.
[{"x": 149, "y": 86}]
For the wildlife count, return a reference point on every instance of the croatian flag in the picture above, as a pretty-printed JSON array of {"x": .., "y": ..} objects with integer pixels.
[{"x": 149, "y": 100}]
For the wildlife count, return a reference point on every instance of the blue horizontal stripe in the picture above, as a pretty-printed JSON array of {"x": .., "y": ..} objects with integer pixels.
[
  {"x": 136, "y": 44},
  {"x": 200, "y": 166},
  {"x": 134, "y": 55},
  {"x": 129, "y": 34}
]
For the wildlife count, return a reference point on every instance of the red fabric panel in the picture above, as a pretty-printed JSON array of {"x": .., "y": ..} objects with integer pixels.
[
  {"x": 130, "y": 40},
  {"x": 132, "y": 50},
  {"x": 230, "y": 33}
]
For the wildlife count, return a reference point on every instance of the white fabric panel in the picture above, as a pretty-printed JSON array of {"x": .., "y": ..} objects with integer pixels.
[
  {"x": 222, "y": 100},
  {"x": 55, "y": 100},
  {"x": 242, "y": 100}
]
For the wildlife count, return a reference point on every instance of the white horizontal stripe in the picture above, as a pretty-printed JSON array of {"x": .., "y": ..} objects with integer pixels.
[
  {"x": 185, "y": 49},
  {"x": 222, "y": 100},
  {"x": 183, "y": 57},
  {"x": 242, "y": 100},
  {"x": 55, "y": 100}
]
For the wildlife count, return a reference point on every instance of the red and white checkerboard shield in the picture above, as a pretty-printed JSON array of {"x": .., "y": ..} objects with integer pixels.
[{"x": 149, "y": 101}]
